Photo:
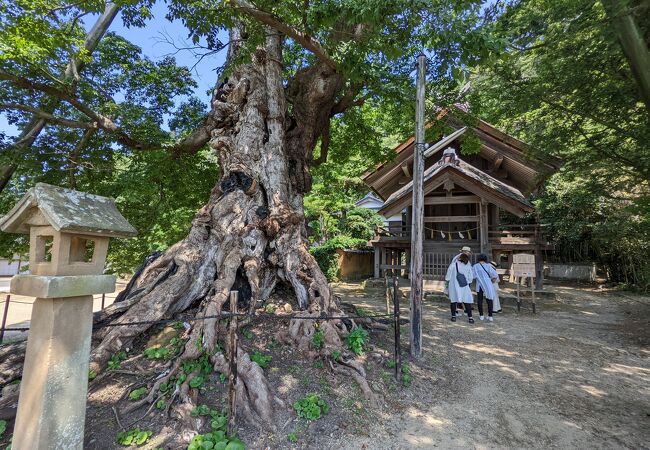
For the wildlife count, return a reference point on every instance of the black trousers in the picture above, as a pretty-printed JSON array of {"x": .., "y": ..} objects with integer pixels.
[
  {"x": 468, "y": 308},
  {"x": 479, "y": 303}
]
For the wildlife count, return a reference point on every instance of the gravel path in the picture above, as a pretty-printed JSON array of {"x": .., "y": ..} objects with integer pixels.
[{"x": 576, "y": 375}]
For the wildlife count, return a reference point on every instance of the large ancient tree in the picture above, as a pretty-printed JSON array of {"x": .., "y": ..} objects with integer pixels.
[{"x": 291, "y": 67}]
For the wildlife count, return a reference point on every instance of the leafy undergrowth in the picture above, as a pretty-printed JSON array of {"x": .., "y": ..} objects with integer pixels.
[{"x": 319, "y": 404}]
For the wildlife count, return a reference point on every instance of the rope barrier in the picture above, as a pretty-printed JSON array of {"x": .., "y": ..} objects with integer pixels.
[{"x": 220, "y": 316}]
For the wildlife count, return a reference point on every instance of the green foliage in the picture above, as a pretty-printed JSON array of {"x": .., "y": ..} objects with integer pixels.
[
  {"x": 161, "y": 404},
  {"x": 336, "y": 355},
  {"x": 565, "y": 87},
  {"x": 201, "y": 365},
  {"x": 269, "y": 309},
  {"x": 318, "y": 339},
  {"x": 357, "y": 340},
  {"x": 311, "y": 407},
  {"x": 217, "y": 438},
  {"x": 197, "y": 381},
  {"x": 3, "y": 427},
  {"x": 116, "y": 360},
  {"x": 248, "y": 334},
  {"x": 137, "y": 394},
  {"x": 292, "y": 437},
  {"x": 261, "y": 360},
  {"x": 92, "y": 375},
  {"x": 406, "y": 375},
  {"x": 327, "y": 258},
  {"x": 135, "y": 436},
  {"x": 157, "y": 353}
]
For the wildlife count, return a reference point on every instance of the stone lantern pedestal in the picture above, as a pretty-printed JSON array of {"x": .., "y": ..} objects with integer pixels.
[
  {"x": 53, "y": 390},
  {"x": 69, "y": 235}
]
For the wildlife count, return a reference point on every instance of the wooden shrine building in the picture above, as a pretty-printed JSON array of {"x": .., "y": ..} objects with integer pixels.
[{"x": 466, "y": 198}]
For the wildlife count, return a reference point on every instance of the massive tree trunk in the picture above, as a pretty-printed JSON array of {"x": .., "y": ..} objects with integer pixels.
[{"x": 251, "y": 235}]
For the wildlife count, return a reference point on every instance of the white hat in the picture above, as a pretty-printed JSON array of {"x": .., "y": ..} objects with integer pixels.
[{"x": 466, "y": 249}]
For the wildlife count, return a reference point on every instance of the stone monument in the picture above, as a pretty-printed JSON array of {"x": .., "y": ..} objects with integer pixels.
[{"x": 69, "y": 233}]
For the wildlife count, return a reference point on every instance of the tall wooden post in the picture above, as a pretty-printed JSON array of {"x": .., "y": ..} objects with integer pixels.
[
  {"x": 483, "y": 226},
  {"x": 417, "y": 226},
  {"x": 232, "y": 365}
]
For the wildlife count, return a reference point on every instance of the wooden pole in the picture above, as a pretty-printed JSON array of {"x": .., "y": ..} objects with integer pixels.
[
  {"x": 4, "y": 318},
  {"x": 398, "y": 349},
  {"x": 232, "y": 377},
  {"x": 417, "y": 226},
  {"x": 389, "y": 290},
  {"x": 532, "y": 293},
  {"x": 103, "y": 300}
]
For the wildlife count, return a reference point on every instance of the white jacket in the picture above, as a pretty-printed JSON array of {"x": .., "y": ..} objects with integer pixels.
[{"x": 457, "y": 293}]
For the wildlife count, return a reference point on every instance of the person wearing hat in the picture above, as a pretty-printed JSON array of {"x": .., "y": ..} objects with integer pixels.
[
  {"x": 459, "y": 277},
  {"x": 466, "y": 250}
]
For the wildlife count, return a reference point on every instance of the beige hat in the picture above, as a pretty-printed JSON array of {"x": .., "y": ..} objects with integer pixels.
[{"x": 466, "y": 249}]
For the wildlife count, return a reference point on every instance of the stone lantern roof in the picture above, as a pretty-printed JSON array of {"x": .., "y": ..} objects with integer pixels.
[{"x": 66, "y": 211}]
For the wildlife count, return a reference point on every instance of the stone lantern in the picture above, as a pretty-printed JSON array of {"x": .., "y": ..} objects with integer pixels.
[{"x": 69, "y": 233}]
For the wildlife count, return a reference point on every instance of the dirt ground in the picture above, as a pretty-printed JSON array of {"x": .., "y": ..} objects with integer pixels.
[{"x": 574, "y": 375}]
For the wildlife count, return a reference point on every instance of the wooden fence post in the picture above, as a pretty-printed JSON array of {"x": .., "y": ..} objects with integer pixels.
[
  {"x": 388, "y": 294},
  {"x": 4, "y": 318},
  {"x": 232, "y": 377},
  {"x": 398, "y": 349},
  {"x": 103, "y": 300}
]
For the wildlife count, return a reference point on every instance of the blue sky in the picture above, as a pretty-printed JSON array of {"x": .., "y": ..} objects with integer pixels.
[{"x": 149, "y": 39}]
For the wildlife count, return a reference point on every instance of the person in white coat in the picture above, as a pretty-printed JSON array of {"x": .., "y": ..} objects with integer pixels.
[
  {"x": 467, "y": 251},
  {"x": 497, "y": 302},
  {"x": 459, "y": 286},
  {"x": 485, "y": 276}
]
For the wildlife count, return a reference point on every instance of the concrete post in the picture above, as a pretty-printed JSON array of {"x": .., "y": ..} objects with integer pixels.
[{"x": 52, "y": 403}]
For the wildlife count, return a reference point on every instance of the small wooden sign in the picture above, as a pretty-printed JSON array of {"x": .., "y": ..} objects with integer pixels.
[{"x": 523, "y": 265}]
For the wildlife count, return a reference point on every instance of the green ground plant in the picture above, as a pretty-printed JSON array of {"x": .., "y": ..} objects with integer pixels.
[
  {"x": 311, "y": 407},
  {"x": 137, "y": 394},
  {"x": 116, "y": 360},
  {"x": 216, "y": 439},
  {"x": 357, "y": 340},
  {"x": 135, "y": 436},
  {"x": 318, "y": 339},
  {"x": 157, "y": 353},
  {"x": 261, "y": 360},
  {"x": 407, "y": 378}
]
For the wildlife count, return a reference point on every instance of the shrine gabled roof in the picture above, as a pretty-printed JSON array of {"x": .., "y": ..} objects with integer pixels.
[
  {"x": 69, "y": 211},
  {"x": 524, "y": 170},
  {"x": 471, "y": 178}
]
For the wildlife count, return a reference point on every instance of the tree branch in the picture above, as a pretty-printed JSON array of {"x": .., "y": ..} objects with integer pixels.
[
  {"x": 324, "y": 146},
  {"x": 348, "y": 99},
  {"x": 103, "y": 122},
  {"x": 307, "y": 41},
  {"x": 49, "y": 117}
]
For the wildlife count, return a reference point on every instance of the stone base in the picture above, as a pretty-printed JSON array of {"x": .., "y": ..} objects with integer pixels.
[
  {"x": 61, "y": 286},
  {"x": 52, "y": 403}
]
